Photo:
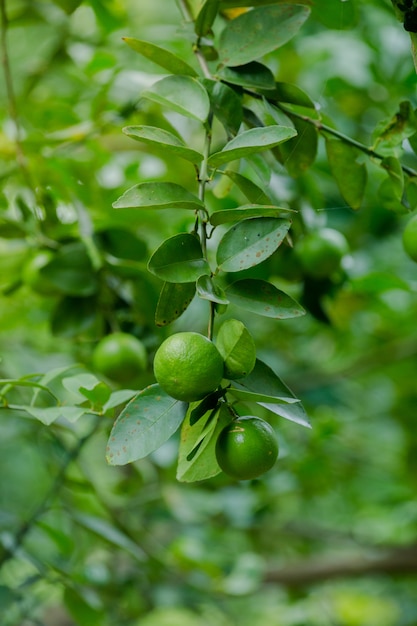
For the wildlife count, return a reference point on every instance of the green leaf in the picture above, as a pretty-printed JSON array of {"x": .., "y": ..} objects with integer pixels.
[
  {"x": 179, "y": 259},
  {"x": 174, "y": 299},
  {"x": 336, "y": 15},
  {"x": 144, "y": 425},
  {"x": 263, "y": 380},
  {"x": 246, "y": 211},
  {"x": 48, "y": 415},
  {"x": 391, "y": 133},
  {"x": 392, "y": 188},
  {"x": 158, "y": 196},
  {"x": 182, "y": 94},
  {"x": 350, "y": 175},
  {"x": 263, "y": 298},
  {"x": 119, "y": 397},
  {"x": 80, "y": 609},
  {"x": 299, "y": 153},
  {"x": 74, "y": 316},
  {"x": 208, "y": 290},
  {"x": 292, "y": 94},
  {"x": 251, "y": 141},
  {"x": 250, "y": 189},
  {"x": 252, "y": 75},
  {"x": 71, "y": 271},
  {"x": 197, "y": 456},
  {"x": 161, "y": 57},
  {"x": 250, "y": 242},
  {"x": 164, "y": 140},
  {"x": 86, "y": 386},
  {"x": 257, "y": 32},
  {"x": 225, "y": 103},
  {"x": 206, "y": 16}
]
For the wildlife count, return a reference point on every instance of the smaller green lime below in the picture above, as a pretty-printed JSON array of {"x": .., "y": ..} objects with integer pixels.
[
  {"x": 121, "y": 357},
  {"x": 188, "y": 366},
  {"x": 247, "y": 448},
  {"x": 321, "y": 252},
  {"x": 410, "y": 238}
]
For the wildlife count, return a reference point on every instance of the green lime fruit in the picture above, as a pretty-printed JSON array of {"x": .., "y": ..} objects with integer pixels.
[
  {"x": 410, "y": 238},
  {"x": 32, "y": 273},
  {"x": 188, "y": 366},
  {"x": 321, "y": 252},
  {"x": 237, "y": 347},
  {"x": 247, "y": 448},
  {"x": 120, "y": 357}
]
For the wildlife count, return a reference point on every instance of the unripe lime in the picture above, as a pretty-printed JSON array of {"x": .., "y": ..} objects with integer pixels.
[
  {"x": 188, "y": 366},
  {"x": 247, "y": 448},
  {"x": 237, "y": 347},
  {"x": 321, "y": 252},
  {"x": 121, "y": 357},
  {"x": 410, "y": 238}
]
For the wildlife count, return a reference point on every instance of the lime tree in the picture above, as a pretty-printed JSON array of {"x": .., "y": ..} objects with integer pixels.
[
  {"x": 188, "y": 366},
  {"x": 247, "y": 448}
]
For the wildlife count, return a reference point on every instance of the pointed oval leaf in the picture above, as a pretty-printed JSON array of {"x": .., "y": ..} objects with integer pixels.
[
  {"x": 226, "y": 104},
  {"x": 144, "y": 425},
  {"x": 161, "y": 57},
  {"x": 250, "y": 142},
  {"x": 208, "y": 290},
  {"x": 164, "y": 140},
  {"x": 182, "y": 94},
  {"x": 179, "y": 259},
  {"x": 174, "y": 299},
  {"x": 252, "y": 75},
  {"x": 350, "y": 175},
  {"x": 257, "y": 32},
  {"x": 206, "y": 17},
  {"x": 158, "y": 196},
  {"x": 250, "y": 242},
  {"x": 263, "y": 298},
  {"x": 299, "y": 153},
  {"x": 251, "y": 396},
  {"x": 246, "y": 211},
  {"x": 250, "y": 189}
]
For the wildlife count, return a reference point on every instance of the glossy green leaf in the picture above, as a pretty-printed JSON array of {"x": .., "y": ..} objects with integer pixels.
[
  {"x": 350, "y": 175},
  {"x": 225, "y": 103},
  {"x": 299, "y": 153},
  {"x": 48, "y": 415},
  {"x": 161, "y": 57},
  {"x": 158, "y": 196},
  {"x": 119, "y": 397},
  {"x": 264, "y": 381},
  {"x": 250, "y": 242},
  {"x": 246, "y": 211},
  {"x": 250, "y": 189},
  {"x": 182, "y": 94},
  {"x": 339, "y": 15},
  {"x": 174, "y": 299},
  {"x": 292, "y": 94},
  {"x": 390, "y": 133},
  {"x": 207, "y": 289},
  {"x": 179, "y": 259},
  {"x": 71, "y": 271},
  {"x": 144, "y": 425},
  {"x": 263, "y": 298},
  {"x": 250, "y": 142},
  {"x": 197, "y": 456},
  {"x": 164, "y": 140},
  {"x": 252, "y": 75},
  {"x": 206, "y": 16},
  {"x": 257, "y": 32}
]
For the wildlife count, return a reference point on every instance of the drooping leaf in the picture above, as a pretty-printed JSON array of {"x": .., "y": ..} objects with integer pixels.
[
  {"x": 250, "y": 242},
  {"x": 182, "y": 94},
  {"x": 292, "y": 94},
  {"x": 246, "y": 211},
  {"x": 164, "y": 140},
  {"x": 257, "y": 32},
  {"x": 250, "y": 189},
  {"x": 250, "y": 142},
  {"x": 206, "y": 16},
  {"x": 174, "y": 299},
  {"x": 263, "y": 298},
  {"x": 350, "y": 175},
  {"x": 299, "y": 153},
  {"x": 144, "y": 425},
  {"x": 252, "y": 75},
  {"x": 207, "y": 289},
  {"x": 158, "y": 196},
  {"x": 225, "y": 103},
  {"x": 179, "y": 259},
  {"x": 161, "y": 57}
]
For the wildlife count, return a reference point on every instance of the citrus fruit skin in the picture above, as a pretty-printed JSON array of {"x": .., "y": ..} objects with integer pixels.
[
  {"x": 321, "y": 252},
  {"x": 410, "y": 238},
  {"x": 247, "y": 448},
  {"x": 237, "y": 347},
  {"x": 188, "y": 366},
  {"x": 33, "y": 277},
  {"x": 120, "y": 357}
]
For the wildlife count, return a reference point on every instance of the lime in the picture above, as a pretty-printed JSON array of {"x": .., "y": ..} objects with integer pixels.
[
  {"x": 188, "y": 366},
  {"x": 247, "y": 448},
  {"x": 237, "y": 347},
  {"x": 410, "y": 238},
  {"x": 321, "y": 252},
  {"x": 120, "y": 357},
  {"x": 32, "y": 273}
]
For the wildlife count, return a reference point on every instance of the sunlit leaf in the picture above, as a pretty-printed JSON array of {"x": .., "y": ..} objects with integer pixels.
[
  {"x": 158, "y": 196},
  {"x": 263, "y": 298},
  {"x": 164, "y": 140},
  {"x": 207, "y": 289},
  {"x": 182, "y": 94},
  {"x": 247, "y": 211},
  {"x": 161, "y": 57}
]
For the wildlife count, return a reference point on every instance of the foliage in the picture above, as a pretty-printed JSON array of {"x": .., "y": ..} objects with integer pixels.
[{"x": 165, "y": 162}]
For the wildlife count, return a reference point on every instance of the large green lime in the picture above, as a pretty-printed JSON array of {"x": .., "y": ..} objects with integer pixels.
[
  {"x": 247, "y": 448},
  {"x": 188, "y": 366}
]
